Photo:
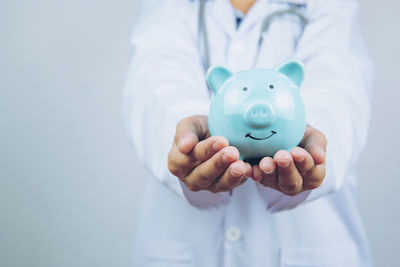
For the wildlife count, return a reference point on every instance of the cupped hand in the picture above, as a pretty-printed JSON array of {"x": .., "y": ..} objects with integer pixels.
[
  {"x": 303, "y": 168},
  {"x": 202, "y": 162}
]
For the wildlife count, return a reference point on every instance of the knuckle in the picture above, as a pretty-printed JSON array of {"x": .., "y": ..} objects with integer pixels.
[
  {"x": 290, "y": 188},
  {"x": 307, "y": 170},
  {"x": 192, "y": 187},
  {"x": 192, "y": 159},
  {"x": 175, "y": 170},
  {"x": 218, "y": 163},
  {"x": 213, "y": 190},
  {"x": 314, "y": 183},
  {"x": 207, "y": 152},
  {"x": 223, "y": 188},
  {"x": 202, "y": 178}
]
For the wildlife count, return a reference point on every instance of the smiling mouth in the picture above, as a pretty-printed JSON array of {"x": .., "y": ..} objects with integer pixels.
[{"x": 255, "y": 138}]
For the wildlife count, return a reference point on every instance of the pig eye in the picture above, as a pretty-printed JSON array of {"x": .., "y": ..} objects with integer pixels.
[
  {"x": 271, "y": 87},
  {"x": 244, "y": 88}
]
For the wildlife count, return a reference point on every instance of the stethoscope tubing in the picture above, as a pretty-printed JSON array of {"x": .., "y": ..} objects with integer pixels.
[{"x": 293, "y": 10}]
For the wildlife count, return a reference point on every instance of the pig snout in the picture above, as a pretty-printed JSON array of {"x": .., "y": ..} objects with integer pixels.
[{"x": 259, "y": 114}]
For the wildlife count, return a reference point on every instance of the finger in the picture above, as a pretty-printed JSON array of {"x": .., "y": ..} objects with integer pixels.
[
  {"x": 269, "y": 180},
  {"x": 267, "y": 165},
  {"x": 248, "y": 169},
  {"x": 247, "y": 174},
  {"x": 289, "y": 179},
  {"x": 314, "y": 178},
  {"x": 206, "y": 173},
  {"x": 189, "y": 131},
  {"x": 180, "y": 164},
  {"x": 208, "y": 147},
  {"x": 230, "y": 178},
  {"x": 256, "y": 173},
  {"x": 269, "y": 173},
  {"x": 303, "y": 160},
  {"x": 315, "y": 143}
]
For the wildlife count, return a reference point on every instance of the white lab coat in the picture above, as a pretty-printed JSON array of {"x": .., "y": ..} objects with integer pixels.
[{"x": 253, "y": 225}]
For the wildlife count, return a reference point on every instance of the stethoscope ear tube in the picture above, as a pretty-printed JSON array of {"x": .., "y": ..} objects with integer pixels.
[
  {"x": 203, "y": 33},
  {"x": 268, "y": 20},
  {"x": 293, "y": 10}
]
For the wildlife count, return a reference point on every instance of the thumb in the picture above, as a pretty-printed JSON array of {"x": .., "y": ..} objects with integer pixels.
[
  {"x": 189, "y": 131},
  {"x": 315, "y": 143}
]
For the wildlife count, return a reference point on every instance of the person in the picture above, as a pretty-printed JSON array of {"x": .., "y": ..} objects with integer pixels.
[{"x": 199, "y": 208}]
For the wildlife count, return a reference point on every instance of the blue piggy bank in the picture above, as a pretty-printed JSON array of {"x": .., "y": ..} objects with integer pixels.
[{"x": 259, "y": 111}]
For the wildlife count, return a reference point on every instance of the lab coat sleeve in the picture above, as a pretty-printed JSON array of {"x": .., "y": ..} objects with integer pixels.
[
  {"x": 165, "y": 84},
  {"x": 336, "y": 93}
]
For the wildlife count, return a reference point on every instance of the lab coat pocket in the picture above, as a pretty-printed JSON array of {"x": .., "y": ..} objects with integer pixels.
[
  {"x": 167, "y": 254},
  {"x": 344, "y": 255}
]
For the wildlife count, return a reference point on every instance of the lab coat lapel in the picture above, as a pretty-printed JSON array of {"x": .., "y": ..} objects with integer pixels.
[
  {"x": 261, "y": 8},
  {"x": 222, "y": 13}
]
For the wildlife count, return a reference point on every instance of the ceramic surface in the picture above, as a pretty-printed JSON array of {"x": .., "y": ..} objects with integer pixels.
[{"x": 259, "y": 111}]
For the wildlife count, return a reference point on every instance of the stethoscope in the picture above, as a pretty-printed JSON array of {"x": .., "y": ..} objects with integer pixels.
[{"x": 293, "y": 10}]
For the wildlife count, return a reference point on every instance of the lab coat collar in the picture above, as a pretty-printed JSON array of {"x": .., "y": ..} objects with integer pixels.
[
  {"x": 222, "y": 11},
  {"x": 262, "y": 8}
]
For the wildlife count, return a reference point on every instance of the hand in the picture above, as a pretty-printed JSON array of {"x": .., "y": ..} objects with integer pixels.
[
  {"x": 202, "y": 162},
  {"x": 303, "y": 168}
]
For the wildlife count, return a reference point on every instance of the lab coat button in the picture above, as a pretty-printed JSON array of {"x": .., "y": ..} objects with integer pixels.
[
  {"x": 237, "y": 48},
  {"x": 233, "y": 234}
]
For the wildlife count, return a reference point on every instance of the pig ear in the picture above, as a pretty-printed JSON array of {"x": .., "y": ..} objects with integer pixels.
[
  {"x": 216, "y": 76},
  {"x": 294, "y": 70}
]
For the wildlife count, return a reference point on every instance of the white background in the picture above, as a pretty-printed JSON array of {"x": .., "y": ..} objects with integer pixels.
[{"x": 69, "y": 181}]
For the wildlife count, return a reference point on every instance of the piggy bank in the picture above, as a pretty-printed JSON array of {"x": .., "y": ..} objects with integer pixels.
[{"x": 259, "y": 111}]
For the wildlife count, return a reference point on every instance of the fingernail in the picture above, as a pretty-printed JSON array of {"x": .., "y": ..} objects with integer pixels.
[
  {"x": 217, "y": 146},
  {"x": 226, "y": 158},
  {"x": 301, "y": 159},
  {"x": 283, "y": 164},
  {"x": 269, "y": 172},
  {"x": 239, "y": 170},
  {"x": 236, "y": 173}
]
